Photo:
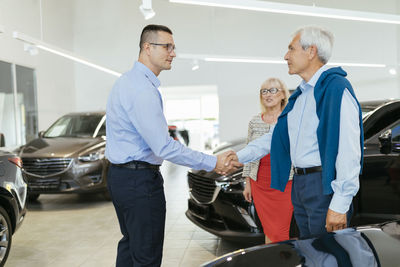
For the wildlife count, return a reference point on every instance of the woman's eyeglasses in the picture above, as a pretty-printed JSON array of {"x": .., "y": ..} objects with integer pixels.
[{"x": 270, "y": 90}]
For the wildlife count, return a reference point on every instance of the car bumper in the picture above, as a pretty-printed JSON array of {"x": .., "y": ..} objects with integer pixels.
[
  {"x": 237, "y": 236},
  {"x": 228, "y": 225},
  {"x": 78, "y": 178}
]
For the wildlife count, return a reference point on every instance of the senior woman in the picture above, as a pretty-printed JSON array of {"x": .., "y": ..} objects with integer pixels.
[{"x": 274, "y": 208}]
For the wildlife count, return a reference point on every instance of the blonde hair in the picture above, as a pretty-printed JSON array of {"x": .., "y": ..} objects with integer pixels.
[{"x": 281, "y": 85}]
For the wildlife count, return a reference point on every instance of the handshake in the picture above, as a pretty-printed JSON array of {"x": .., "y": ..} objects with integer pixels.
[{"x": 227, "y": 162}]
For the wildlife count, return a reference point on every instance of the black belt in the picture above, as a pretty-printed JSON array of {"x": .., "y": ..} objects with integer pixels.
[
  {"x": 303, "y": 171},
  {"x": 137, "y": 165}
]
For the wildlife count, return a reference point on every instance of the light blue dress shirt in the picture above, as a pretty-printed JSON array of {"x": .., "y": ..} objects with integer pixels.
[
  {"x": 304, "y": 152},
  {"x": 136, "y": 126}
]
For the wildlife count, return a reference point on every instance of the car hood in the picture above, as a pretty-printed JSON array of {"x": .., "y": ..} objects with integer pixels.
[{"x": 60, "y": 147}]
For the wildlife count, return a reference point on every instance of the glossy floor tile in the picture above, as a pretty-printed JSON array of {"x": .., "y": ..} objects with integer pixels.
[{"x": 82, "y": 230}]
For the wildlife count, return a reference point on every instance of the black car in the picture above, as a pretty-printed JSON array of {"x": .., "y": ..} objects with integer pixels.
[
  {"x": 372, "y": 245},
  {"x": 217, "y": 205},
  {"x": 12, "y": 200},
  {"x": 68, "y": 157}
]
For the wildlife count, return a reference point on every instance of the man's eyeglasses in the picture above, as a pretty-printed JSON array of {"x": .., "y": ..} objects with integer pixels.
[
  {"x": 169, "y": 46},
  {"x": 270, "y": 90}
]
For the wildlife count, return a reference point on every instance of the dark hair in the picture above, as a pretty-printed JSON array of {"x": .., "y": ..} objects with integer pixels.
[{"x": 149, "y": 31}]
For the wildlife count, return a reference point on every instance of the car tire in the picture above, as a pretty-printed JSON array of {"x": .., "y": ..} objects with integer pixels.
[
  {"x": 107, "y": 195},
  {"x": 5, "y": 236},
  {"x": 33, "y": 197}
]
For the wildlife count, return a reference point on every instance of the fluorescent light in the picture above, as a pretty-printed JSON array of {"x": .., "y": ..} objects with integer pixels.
[
  {"x": 348, "y": 64},
  {"x": 231, "y": 59},
  {"x": 292, "y": 9},
  {"x": 244, "y": 60},
  {"x": 61, "y": 52}
]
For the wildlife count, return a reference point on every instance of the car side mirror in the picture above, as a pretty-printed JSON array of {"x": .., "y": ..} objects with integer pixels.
[
  {"x": 2, "y": 140},
  {"x": 385, "y": 140},
  {"x": 41, "y": 134}
]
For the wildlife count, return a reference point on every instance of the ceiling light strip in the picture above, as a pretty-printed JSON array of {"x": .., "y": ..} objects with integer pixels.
[
  {"x": 61, "y": 52},
  {"x": 292, "y": 9},
  {"x": 227, "y": 59}
]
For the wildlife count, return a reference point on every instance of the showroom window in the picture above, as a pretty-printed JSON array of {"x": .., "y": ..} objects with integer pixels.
[
  {"x": 18, "y": 104},
  {"x": 194, "y": 112}
]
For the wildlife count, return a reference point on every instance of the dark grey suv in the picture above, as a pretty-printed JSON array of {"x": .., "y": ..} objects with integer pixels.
[
  {"x": 68, "y": 157},
  {"x": 12, "y": 200}
]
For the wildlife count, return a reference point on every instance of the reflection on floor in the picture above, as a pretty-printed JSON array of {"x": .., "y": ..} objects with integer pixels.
[{"x": 82, "y": 230}]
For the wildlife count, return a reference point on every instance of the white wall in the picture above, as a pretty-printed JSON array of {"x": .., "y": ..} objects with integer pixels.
[
  {"x": 112, "y": 37},
  {"x": 107, "y": 32},
  {"x": 55, "y": 76}
]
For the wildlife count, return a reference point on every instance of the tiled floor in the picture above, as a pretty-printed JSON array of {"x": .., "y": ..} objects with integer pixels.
[{"x": 82, "y": 230}]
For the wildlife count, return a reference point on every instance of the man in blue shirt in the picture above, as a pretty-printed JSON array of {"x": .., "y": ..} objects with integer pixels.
[
  {"x": 320, "y": 134},
  {"x": 137, "y": 143}
]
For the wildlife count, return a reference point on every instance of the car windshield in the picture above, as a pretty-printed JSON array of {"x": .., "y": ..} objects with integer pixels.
[
  {"x": 366, "y": 111},
  {"x": 74, "y": 126}
]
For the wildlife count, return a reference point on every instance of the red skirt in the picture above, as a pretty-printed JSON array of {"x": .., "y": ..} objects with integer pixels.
[{"x": 274, "y": 208}]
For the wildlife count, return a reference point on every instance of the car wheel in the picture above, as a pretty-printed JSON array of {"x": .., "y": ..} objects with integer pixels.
[
  {"x": 107, "y": 195},
  {"x": 5, "y": 236},
  {"x": 33, "y": 197}
]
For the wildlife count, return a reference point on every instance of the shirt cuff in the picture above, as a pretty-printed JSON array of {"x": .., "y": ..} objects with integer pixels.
[
  {"x": 340, "y": 203},
  {"x": 210, "y": 162},
  {"x": 241, "y": 155}
]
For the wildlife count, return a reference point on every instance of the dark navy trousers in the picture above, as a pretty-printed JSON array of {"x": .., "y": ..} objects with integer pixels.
[
  {"x": 139, "y": 201},
  {"x": 311, "y": 205}
]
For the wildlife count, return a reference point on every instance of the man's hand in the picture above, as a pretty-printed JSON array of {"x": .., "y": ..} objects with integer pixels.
[
  {"x": 227, "y": 162},
  {"x": 335, "y": 221}
]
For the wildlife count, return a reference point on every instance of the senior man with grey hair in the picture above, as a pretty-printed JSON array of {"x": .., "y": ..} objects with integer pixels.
[{"x": 320, "y": 133}]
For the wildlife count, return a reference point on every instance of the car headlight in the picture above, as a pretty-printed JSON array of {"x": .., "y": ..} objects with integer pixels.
[{"x": 94, "y": 156}]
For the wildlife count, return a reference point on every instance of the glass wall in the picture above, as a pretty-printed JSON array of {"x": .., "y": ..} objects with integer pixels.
[
  {"x": 27, "y": 103},
  {"x": 18, "y": 104}
]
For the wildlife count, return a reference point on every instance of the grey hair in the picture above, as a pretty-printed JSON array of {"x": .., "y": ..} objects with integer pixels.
[{"x": 320, "y": 37}]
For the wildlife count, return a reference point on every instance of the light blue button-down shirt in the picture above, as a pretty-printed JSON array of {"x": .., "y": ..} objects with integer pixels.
[
  {"x": 136, "y": 126},
  {"x": 304, "y": 152}
]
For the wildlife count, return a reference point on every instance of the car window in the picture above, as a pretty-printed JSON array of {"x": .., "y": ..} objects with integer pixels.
[
  {"x": 384, "y": 121},
  {"x": 396, "y": 133},
  {"x": 102, "y": 131},
  {"x": 74, "y": 126}
]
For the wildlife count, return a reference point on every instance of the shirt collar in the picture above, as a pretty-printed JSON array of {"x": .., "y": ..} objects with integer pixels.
[
  {"x": 311, "y": 83},
  {"x": 149, "y": 74}
]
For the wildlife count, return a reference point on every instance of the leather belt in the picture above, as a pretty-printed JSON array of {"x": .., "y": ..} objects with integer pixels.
[
  {"x": 138, "y": 165},
  {"x": 303, "y": 171}
]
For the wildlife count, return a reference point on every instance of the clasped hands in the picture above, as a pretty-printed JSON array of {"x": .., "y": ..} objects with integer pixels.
[{"x": 227, "y": 162}]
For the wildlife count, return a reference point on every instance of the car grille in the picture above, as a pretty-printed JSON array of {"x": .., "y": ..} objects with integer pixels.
[
  {"x": 203, "y": 190},
  {"x": 45, "y": 166}
]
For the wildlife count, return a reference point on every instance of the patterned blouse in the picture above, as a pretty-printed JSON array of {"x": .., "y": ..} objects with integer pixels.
[{"x": 257, "y": 128}]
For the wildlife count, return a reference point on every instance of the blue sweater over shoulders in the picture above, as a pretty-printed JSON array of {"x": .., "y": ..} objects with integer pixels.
[{"x": 328, "y": 94}]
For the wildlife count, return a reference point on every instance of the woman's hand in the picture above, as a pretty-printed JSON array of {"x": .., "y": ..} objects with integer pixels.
[{"x": 247, "y": 190}]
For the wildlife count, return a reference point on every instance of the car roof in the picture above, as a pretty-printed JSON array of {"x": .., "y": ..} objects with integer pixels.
[
  {"x": 373, "y": 104},
  {"x": 88, "y": 113}
]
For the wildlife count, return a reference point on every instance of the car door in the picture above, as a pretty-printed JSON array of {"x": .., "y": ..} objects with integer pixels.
[{"x": 379, "y": 195}]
